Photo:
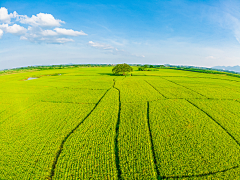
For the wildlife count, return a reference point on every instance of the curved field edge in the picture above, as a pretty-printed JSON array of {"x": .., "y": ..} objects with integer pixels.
[
  {"x": 90, "y": 150},
  {"x": 30, "y": 138},
  {"x": 186, "y": 146},
  {"x": 67, "y": 136},
  {"x": 230, "y": 173}
]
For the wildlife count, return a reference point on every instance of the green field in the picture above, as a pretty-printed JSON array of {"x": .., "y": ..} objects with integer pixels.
[{"x": 85, "y": 123}]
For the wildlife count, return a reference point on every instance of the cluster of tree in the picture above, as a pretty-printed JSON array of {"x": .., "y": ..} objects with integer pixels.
[
  {"x": 149, "y": 67},
  {"x": 60, "y": 66},
  {"x": 204, "y": 70},
  {"x": 201, "y": 69},
  {"x": 122, "y": 69}
]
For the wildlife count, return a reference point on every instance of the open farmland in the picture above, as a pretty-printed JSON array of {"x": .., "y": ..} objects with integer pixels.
[{"x": 85, "y": 123}]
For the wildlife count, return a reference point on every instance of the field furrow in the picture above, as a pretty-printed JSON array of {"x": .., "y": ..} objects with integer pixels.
[
  {"x": 156, "y": 89},
  {"x": 74, "y": 95},
  {"x": 86, "y": 123},
  {"x": 187, "y": 142},
  {"x": 135, "y": 154},
  {"x": 134, "y": 89},
  {"x": 68, "y": 135},
  {"x": 89, "y": 153},
  {"x": 31, "y": 139},
  {"x": 226, "y": 113},
  {"x": 184, "y": 91},
  {"x": 151, "y": 144}
]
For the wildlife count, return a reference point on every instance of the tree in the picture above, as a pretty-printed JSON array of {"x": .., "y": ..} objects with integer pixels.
[
  {"x": 122, "y": 69},
  {"x": 143, "y": 68}
]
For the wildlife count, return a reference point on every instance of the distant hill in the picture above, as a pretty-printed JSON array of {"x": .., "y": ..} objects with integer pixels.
[{"x": 229, "y": 68}]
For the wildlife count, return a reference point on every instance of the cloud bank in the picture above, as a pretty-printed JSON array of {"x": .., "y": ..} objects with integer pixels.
[
  {"x": 41, "y": 19},
  {"x": 14, "y": 29},
  {"x": 5, "y": 17},
  {"x": 42, "y": 27},
  {"x": 1, "y": 33},
  {"x": 111, "y": 49},
  {"x": 101, "y": 46}
]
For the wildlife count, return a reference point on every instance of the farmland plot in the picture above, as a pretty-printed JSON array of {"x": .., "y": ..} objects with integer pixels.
[
  {"x": 159, "y": 82},
  {"x": 188, "y": 142},
  {"x": 210, "y": 87},
  {"x": 135, "y": 154},
  {"x": 66, "y": 95},
  {"x": 80, "y": 82},
  {"x": 10, "y": 109},
  {"x": 30, "y": 139},
  {"x": 217, "y": 92},
  {"x": 174, "y": 92},
  {"x": 88, "y": 124},
  {"x": 136, "y": 90},
  {"x": 224, "y": 112},
  {"x": 89, "y": 153}
]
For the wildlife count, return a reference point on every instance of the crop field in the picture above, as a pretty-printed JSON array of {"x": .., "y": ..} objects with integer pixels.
[{"x": 86, "y": 123}]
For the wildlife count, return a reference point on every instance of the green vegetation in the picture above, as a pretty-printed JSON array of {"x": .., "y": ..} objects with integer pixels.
[
  {"x": 83, "y": 122},
  {"x": 122, "y": 69},
  {"x": 95, "y": 135},
  {"x": 135, "y": 153},
  {"x": 179, "y": 138},
  {"x": 147, "y": 68}
]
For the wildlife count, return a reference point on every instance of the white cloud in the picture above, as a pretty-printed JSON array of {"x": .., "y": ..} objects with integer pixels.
[
  {"x": 227, "y": 15},
  {"x": 69, "y": 32},
  {"x": 14, "y": 29},
  {"x": 210, "y": 57},
  {"x": 1, "y": 33},
  {"x": 49, "y": 33},
  {"x": 41, "y": 19},
  {"x": 111, "y": 49},
  {"x": 233, "y": 24},
  {"x": 36, "y": 35},
  {"x": 63, "y": 40},
  {"x": 101, "y": 46},
  {"x": 23, "y": 38},
  {"x": 42, "y": 27},
  {"x": 62, "y": 32},
  {"x": 3, "y": 26},
  {"x": 5, "y": 17}
]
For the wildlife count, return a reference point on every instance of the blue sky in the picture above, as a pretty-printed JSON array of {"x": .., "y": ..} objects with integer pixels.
[{"x": 201, "y": 32}]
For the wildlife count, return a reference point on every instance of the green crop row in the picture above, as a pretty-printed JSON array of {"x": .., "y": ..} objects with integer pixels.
[
  {"x": 217, "y": 92},
  {"x": 89, "y": 153},
  {"x": 224, "y": 112},
  {"x": 31, "y": 138},
  {"x": 134, "y": 89},
  {"x": 73, "y": 95},
  {"x": 187, "y": 142},
  {"x": 79, "y": 82},
  {"x": 56, "y": 127},
  {"x": 176, "y": 91},
  {"x": 135, "y": 154}
]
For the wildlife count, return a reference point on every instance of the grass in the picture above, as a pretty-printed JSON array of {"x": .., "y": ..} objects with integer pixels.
[{"x": 88, "y": 124}]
